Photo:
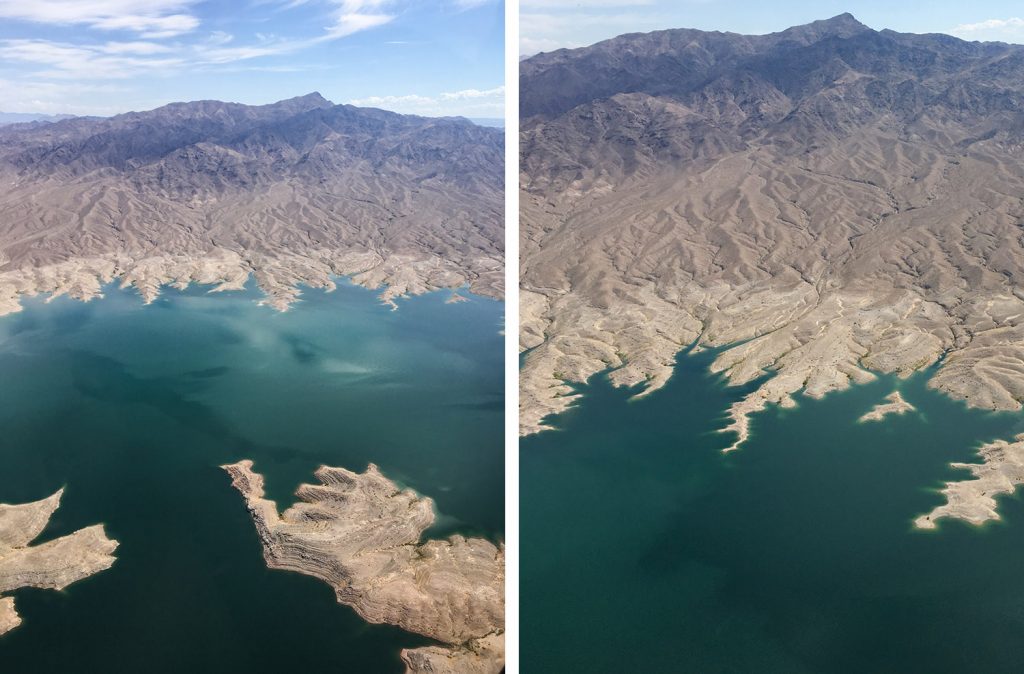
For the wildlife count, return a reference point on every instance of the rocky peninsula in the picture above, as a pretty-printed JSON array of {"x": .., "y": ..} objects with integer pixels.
[
  {"x": 1000, "y": 472},
  {"x": 51, "y": 565},
  {"x": 361, "y": 534}
]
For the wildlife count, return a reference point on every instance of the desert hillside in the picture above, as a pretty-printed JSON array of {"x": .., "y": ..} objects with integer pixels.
[
  {"x": 826, "y": 202},
  {"x": 292, "y": 192}
]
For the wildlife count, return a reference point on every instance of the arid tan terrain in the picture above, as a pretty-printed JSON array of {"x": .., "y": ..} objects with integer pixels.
[
  {"x": 51, "y": 565},
  {"x": 291, "y": 193},
  {"x": 361, "y": 534},
  {"x": 1000, "y": 472},
  {"x": 823, "y": 203}
]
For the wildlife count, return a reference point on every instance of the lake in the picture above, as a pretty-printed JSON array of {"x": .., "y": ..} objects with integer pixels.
[
  {"x": 646, "y": 549},
  {"x": 133, "y": 408}
]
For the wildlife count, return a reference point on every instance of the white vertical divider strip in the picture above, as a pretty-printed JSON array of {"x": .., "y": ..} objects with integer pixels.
[{"x": 512, "y": 336}]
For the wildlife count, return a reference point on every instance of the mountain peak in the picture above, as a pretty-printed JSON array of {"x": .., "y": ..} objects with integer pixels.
[
  {"x": 842, "y": 25},
  {"x": 844, "y": 19},
  {"x": 310, "y": 101}
]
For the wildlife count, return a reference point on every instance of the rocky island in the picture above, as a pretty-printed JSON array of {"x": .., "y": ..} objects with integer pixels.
[
  {"x": 895, "y": 404},
  {"x": 51, "y": 565},
  {"x": 820, "y": 204},
  {"x": 361, "y": 534},
  {"x": 295, "y": 192}
]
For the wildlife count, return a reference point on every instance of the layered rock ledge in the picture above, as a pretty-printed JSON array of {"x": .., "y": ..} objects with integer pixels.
[
  {"x": 51, "y": 565},
  {"x": 361, "y": 534}
]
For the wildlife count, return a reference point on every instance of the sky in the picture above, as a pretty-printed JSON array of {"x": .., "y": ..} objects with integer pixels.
[
  {"x": 103, "y": 57},
  {"x": 545, "y": 25}
]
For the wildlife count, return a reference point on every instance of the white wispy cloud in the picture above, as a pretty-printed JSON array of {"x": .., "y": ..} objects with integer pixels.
[
  {"x": 471, "y": 94},
  {"x": 119, "y": 60},
  {"x": 113, "y": 60},
  {"x": 582, "y": 4},
  {"x": 414, "y": 100},
  {"x": 139, "y": 47},
  {"x": 148, "y": 18},
  {"x": 56, "y": 97},
  {"x": 269, "y": 47},
  {"x": 466, "y": 102},
  {"x": 219, "y": 37},
  {"x": 123, "y": 59},
  {"x": 465, "y": 5},
  {"x": 104, "y": 42},
  {"x": 1005, "y": 30},
  {"x": 346, "y": 17},
  {"x": 352, "y": 16}
]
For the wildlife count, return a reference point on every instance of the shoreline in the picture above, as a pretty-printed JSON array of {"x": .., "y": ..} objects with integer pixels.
[
  {"x": 973, "y": 499},
  {"x": 281, "y": 284},
  {"x": 812, "y": 353}
]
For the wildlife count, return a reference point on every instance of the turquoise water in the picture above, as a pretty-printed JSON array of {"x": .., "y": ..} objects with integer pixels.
[
  {"x": 645, "y": 549},
  {"x": 134, "y": 407}
]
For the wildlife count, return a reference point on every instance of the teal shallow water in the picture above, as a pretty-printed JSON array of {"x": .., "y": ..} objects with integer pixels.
[
  {"x": 645, "y": 549},
  {"x": 134, "y": 407}
]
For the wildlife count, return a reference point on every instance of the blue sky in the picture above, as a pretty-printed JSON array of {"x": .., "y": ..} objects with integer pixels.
[
  {"x": 431, "y": 57},
  {"x": 550, "y": 24}
]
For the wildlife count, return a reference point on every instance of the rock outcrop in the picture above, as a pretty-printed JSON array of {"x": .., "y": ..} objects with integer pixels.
[
  {"x": 51, "y": 565},
  {"x": 361, "y": 534}
]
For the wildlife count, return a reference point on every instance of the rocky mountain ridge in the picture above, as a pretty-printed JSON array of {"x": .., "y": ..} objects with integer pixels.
[
  {"x": 822, "y": 203},
  {"x": 291, "y": 192}
]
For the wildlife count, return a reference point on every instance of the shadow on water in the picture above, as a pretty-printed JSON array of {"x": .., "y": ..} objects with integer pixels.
[
  {"x": 647, "y": 549},
  {"x": 134, "y": 408}
]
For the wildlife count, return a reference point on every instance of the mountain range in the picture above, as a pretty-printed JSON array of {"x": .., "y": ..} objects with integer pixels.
[
  {"x": 821, "y": 204},
  {"x": 291, "y": 193},
  {"x": 25, "y": 117}
]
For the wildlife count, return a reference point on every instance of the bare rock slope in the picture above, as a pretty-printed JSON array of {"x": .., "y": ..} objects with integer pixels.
[
  {"x": 361, "y": 534},
  {"x": 825, "y": 203},
  {"x": 292, "y": 192},
  {"x": 52, "y": 565}
]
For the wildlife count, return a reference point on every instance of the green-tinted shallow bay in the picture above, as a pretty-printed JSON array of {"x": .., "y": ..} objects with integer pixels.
[
  {"x": 134, "y": 407},
  {"x": 645, "y": 549}
]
